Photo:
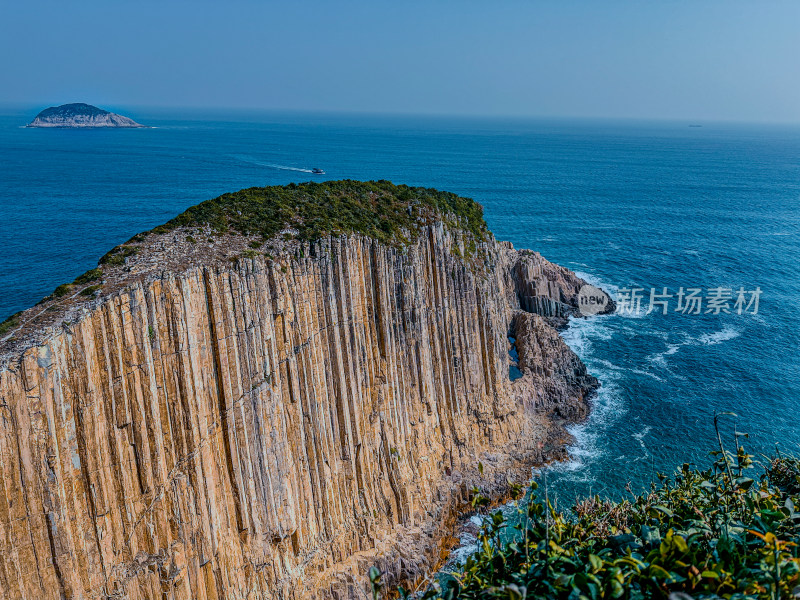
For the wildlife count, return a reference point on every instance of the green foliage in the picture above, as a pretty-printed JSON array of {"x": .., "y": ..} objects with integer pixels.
[
  {"x": 89, "y": 291},
  {"x": 724, "y": 532},
  {"x": 784, "y": 471},
  {"x": 91, "y": 275},
  {"x": 10, "y": 323},
  {"x": 62, "y": 290},
  {"x": 375, "y": 580},
  {"x": 117, "y": 255},
  {"x": 139, "y": 237},
  {"x": 378, "y": 209}
]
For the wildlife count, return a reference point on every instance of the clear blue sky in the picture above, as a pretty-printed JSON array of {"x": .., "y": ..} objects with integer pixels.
[{"x": 685, "y": 59}]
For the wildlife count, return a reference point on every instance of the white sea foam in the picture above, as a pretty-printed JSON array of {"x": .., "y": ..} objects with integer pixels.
[
  {"x": 583, "y": 332},
  {"x": 726, "y": 333},
  {"x": 607, "y": 405},
  {"x": 639, "y": 437},
  {"x": 660, "y": 358},
  {"x": 641, "y": 313},
  {"x": 607, "y": 408},
  {"x": 596, "y": 281},
  {"x": 606, "y": 364},
  {"x": 647, "y": 374}
]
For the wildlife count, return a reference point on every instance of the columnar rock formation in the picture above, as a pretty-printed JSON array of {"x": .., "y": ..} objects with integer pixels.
[{"x": 264, "y": 428}]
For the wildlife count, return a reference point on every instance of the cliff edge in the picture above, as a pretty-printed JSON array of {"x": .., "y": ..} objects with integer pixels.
[
  {"x": 81, "y": 116},
  {"x": 274, "y": 391}
]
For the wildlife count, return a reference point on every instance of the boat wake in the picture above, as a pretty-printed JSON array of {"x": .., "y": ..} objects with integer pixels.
[{"x": 253, "y": 161}]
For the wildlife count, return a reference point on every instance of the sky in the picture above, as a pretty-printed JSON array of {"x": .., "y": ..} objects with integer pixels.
[{"x": 669, "y": 59}]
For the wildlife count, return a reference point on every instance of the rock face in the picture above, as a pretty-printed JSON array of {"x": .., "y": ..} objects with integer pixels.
[
  {"x": 80, "y": 116},
  {"x": 270, "y": 427}
]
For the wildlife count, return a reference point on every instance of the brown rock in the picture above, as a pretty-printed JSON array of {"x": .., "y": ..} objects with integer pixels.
[{"x": 270, "y": 429}]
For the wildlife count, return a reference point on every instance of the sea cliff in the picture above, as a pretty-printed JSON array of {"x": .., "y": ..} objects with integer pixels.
[{"x": 214, "y": 413}]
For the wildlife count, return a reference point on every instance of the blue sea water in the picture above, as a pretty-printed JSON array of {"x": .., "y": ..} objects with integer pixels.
[{"x": 625, "y": 204}]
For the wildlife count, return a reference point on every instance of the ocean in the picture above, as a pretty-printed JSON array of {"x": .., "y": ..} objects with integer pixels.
[{"x": 627, "y": 205}]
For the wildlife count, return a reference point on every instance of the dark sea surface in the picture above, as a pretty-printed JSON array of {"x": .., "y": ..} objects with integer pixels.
[{"x": 625, "y": 204}]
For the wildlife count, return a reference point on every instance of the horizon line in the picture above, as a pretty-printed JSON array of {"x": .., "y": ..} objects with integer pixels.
[{"x": 30, "y": 105}]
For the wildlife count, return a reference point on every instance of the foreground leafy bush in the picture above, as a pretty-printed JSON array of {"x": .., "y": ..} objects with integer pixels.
[{"x": 726, "y": 532}]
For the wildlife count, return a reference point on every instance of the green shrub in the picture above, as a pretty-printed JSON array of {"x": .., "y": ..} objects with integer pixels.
[
  {"x": 139, "y": 237},
  {"x": 784, "y": 472},
  {"x": 725, "y": 532},
  {"x": 62, "y": 290},
  {"x": 117, "y": 255},
  {"x": 89, "y": 291},
  {"x": 10, "y": 323},
  {"x": 91, "y": 275}
]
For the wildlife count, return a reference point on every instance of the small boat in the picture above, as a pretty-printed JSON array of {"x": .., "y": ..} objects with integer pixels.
[{"x": 317, "y": 171}]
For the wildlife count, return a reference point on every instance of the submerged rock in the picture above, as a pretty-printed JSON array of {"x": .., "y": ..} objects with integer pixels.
[{"x": 80, "y": 115}]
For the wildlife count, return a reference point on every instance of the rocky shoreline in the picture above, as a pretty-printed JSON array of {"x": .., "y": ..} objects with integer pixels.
[{"x": 219, "y": 415}]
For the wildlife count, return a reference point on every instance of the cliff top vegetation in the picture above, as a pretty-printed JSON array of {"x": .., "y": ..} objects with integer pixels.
[
  {"x": 71, "y": 110},
  {"x": 305, "y": 212},
  {"x": 378, "y": 209}
]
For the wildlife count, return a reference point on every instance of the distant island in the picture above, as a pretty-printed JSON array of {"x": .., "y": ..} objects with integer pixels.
[{"x": 80, "y": 115}]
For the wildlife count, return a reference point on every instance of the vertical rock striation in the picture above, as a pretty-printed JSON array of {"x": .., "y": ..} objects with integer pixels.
[{"x": 265, "y": 428}]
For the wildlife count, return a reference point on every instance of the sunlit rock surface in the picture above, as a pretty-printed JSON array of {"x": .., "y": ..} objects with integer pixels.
[{"x": 213, "y": 425}]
